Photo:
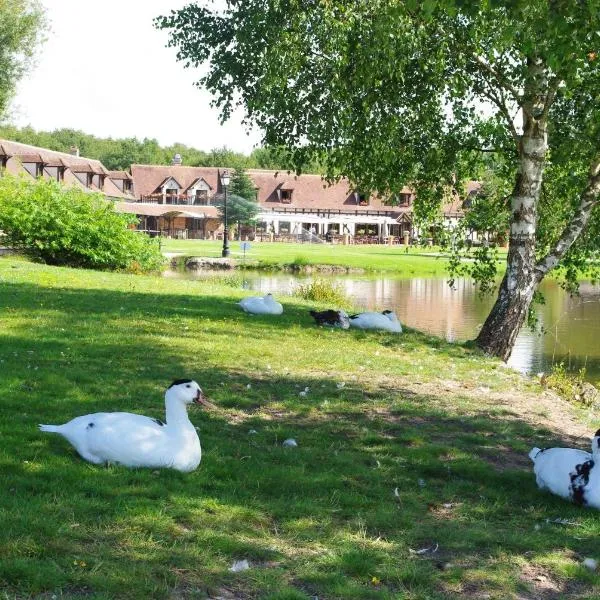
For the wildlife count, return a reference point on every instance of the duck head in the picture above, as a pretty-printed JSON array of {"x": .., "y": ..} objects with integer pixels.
[
  {"x": 596, "y": 445},
  {"x": 187, "y": 391},
  {"x": 390, "y": 314}
]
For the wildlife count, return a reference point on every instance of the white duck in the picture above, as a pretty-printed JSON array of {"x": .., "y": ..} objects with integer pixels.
[
  {"x": 386, "y": 320},
  {"x": 261, "y": 305},
  {"x": 570, "y": 473},
  {"x": 138, "y": 441}
]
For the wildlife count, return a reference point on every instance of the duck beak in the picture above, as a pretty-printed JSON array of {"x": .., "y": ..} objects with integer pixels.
[{"x": 201, "y": 399}]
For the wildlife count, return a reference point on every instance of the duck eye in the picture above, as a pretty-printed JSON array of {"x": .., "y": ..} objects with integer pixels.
[{"x": 188, "y": 385}]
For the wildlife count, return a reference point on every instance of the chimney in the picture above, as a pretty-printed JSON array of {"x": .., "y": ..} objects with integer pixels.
[
  {"x": 177, "y": 160},
  {"x": 74, "y": 150}
]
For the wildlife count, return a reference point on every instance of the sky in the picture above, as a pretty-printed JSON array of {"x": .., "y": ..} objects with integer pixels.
[{"x": 105, "y": 70}]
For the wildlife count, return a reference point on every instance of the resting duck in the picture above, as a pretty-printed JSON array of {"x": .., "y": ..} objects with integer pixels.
[
  {"x": 331, "y": 318},
  {"x": 138, "y": 441},
  {"x": 386, "y": 320},
  {"x": 570, "y": 473},
  {"x": 261, "y": 305}
]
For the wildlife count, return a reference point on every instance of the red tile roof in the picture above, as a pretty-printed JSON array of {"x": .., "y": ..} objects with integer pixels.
[
  {"x": 309, "y": 191},
  {"x": 119, "y": 175},
  {"x": 157, "y": 210},
  {"x": 73, "y": 164}
]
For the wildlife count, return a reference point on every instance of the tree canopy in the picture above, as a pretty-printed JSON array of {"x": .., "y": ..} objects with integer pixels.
[
  {"x": 242, "y": 203},
  {"x": 121, "y": 153},
  {"x": 22, "y": 26},
  {"x": 391, "y": 92}
]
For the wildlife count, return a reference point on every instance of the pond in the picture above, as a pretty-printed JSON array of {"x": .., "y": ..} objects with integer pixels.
[{"x": 570, "y": 324}]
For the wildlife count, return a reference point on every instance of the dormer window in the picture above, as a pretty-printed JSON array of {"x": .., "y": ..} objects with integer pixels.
[
  {"x": 362, "y": 199},
  {"x": 201, "y": 197},
  {"x": 285, "y": 192}
]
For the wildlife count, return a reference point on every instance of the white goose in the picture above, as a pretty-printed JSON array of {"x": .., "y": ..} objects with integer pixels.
[
  {"x": 138, "y": 441},
  {"x": 570, "y": 473},
  {"x": 386, "y": 320},
  {"x": 261, "y": 305}
]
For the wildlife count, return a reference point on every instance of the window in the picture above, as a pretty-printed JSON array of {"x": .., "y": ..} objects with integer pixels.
[
  {"x": 362, "y": 198},
  {"x": 404, "y": 199},
  {"x": 201, "y": 197},
  {"x": 286, "y": 196}
]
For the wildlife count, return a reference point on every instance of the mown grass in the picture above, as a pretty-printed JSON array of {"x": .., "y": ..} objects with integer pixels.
[
  {"x": 384, "y": 412},
  {"x": 371, "y": 258}
]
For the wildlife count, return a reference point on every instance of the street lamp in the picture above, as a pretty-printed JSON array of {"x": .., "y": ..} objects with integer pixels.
[{"x": 225, "y": 183}]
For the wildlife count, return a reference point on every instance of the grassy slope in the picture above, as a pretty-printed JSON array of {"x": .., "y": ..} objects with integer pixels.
[
  {"x": 417, "y": 261},
  {"x": 447, "y": 428}
]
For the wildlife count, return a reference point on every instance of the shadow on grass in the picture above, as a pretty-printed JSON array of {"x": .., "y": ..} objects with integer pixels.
[{"x": 377, "y": 474}]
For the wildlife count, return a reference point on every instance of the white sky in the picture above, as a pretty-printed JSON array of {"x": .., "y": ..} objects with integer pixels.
[{"x": 106, "y": 71}]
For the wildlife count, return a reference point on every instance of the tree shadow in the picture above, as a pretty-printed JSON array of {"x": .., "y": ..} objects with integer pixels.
[{"x": 376, "y": 476}]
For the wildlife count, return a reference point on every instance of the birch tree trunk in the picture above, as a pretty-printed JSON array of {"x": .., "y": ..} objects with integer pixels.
[{"x": 499, "y": 332}]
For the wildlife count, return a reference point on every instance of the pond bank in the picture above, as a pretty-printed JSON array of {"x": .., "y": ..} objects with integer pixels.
[{"x": 199, "y": 263}]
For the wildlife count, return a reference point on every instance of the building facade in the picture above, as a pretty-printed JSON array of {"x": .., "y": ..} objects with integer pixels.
[{"x": 180, "y": 201}]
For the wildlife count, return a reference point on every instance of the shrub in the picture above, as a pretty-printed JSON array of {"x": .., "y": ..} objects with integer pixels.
[
  {"x": 323, "y": 291},
  {"x": 571, "y": 386},
  {"x": 67, "y": 226}
]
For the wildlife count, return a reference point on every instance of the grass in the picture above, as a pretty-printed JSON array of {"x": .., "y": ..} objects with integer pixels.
[
  {"x": 399, "y": 260},
  {"x": 405, "y": 443}
]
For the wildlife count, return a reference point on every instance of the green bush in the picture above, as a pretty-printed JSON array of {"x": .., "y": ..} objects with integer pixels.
[
  {"x": 567, "y": 385},
  {"x": 323, "y": 291},
  {"x": 67, "y": 226}
]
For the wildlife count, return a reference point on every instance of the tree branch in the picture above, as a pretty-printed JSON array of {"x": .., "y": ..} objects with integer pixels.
[
  {"x": 500, "y": 78},
  {"x": 500, "y": 102},
  {"x": 590, "y": 197},
  {"x": 552, "y": 90}
]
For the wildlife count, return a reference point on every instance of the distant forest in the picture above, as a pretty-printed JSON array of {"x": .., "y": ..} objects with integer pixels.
[{"x": 121, "y": 153}]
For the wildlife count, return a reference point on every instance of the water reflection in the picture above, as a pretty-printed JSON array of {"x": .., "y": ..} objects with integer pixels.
[{"x": 570, "y": 325}]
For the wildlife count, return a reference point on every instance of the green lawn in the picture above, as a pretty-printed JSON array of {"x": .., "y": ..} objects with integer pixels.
[
  {"x": 397, "y": 259},
  {"x": 410, "y": 479}
]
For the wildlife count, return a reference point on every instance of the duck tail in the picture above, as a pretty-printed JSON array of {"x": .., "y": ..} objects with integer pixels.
[
  {"x": 50, "y": 428},
  {"x": 533, "y": 453}
]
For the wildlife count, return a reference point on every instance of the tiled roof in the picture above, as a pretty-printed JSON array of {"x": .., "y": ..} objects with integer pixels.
[
  {"x": 118, "y": 175},
  {"x": 309, "y": 191},
  {"x": 4, "y": 152},
  {"x": 157, "y": 210},
  {"x": 196, "y": 181},
  {"x": 53, "y": 158},
  {"x": 29, "y": 157}
]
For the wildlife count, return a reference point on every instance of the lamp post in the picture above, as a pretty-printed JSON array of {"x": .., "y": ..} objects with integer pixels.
[{"x": 225, "y": 183}]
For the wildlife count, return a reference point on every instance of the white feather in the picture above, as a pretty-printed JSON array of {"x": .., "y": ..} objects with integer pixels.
[
  {"x": 137, "y": 441},
  {"x": 386, "y": 321},
  {"x": 261, "y": 305}
]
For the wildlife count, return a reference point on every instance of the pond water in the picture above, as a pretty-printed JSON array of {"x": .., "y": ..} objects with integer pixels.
[{"x": 570, "y": 324}]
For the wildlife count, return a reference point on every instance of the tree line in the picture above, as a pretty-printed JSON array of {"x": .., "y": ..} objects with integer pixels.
[{"x": 121, "y": 153}]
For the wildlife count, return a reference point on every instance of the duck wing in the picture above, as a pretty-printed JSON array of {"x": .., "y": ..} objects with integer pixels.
[
  {"x": 553, "y": 468},
  {"x": 130, "y": 439}
]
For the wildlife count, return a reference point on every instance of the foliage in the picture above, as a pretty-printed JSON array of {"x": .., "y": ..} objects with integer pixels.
[
  {"x": 241, "y": 185},
  {"x": 426, "y": 93},
  {"x": 120, "y": 154},
  {"x": 569, "y": 386},
  {"x": 22, "y": 26},
  {"x": 67, "y": 226},
  {"x": 324, "y": 291},
  {"x": 242, "y": 203}
]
